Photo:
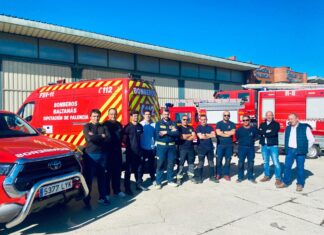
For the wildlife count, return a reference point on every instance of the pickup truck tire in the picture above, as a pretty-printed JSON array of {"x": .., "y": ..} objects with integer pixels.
[{"x": 313, "y": 152}]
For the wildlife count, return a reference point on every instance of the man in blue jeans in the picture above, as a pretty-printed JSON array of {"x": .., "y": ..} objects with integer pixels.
[
  {"x": 298, "y": 139},
  {"x": 268, "y": 132},
  {"x": 166, "y": 133},
  {"x": 225, "y": 131}
]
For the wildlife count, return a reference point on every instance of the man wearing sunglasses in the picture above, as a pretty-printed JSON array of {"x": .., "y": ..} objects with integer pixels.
[
  {"x": 225, "y": 131},
  {"x": 246, "y": 136},
  {"x": 186, "y": 149},
  {"x": 205, "y": 148}
]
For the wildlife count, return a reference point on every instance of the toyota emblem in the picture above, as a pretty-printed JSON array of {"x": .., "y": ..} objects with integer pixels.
[{"x": 54, "y": 165}]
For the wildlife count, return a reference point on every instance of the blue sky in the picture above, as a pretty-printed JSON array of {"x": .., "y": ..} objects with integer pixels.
[{"x": 274, "y": 33}]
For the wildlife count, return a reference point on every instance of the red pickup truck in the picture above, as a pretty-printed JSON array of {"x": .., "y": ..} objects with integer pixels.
[{"x": 35, "y": 171}]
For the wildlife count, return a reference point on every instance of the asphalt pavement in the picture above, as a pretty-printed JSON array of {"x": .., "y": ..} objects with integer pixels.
[{"x": 208, "y": 208}]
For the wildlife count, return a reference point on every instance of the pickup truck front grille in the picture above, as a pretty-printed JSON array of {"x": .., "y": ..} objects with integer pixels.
[{"x": 33, "y": 172}]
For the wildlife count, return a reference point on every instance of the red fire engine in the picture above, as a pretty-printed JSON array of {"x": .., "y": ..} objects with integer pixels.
[{"x": 306, "y": 100}]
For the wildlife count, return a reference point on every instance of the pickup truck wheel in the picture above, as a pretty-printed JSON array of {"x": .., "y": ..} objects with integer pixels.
[{"x": 313, "y": 152}]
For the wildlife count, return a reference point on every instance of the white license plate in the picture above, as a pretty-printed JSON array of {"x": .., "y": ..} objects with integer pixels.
[{"x": 55, "y": 188}]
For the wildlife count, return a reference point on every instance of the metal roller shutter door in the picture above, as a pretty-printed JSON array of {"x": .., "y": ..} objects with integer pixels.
[
  {"x": 93, "y": 74},
  {"x": 19, "y": 79},
  {"x": 199, "y": 90},
  {"x": 166, "y": 88},
  {"x": 228, "y": 87}
]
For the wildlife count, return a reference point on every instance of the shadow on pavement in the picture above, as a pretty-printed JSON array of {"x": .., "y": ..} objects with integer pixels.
[{"x": 69, "y": 217}]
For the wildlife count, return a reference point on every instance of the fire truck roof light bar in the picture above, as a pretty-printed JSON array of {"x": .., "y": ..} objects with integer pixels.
[{"x": 283, "y": 86}]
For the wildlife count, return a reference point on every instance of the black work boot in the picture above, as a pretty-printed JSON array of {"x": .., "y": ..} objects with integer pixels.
[{"x": 199, "y": 175}]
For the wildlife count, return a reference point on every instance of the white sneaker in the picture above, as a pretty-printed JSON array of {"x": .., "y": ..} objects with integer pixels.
[
  {"x": 173, "y": 184},
  {"x": 121, "y": 194},
  {"x": 158, "y": 186}
]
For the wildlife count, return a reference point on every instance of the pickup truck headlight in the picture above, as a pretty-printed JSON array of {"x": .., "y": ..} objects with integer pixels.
[{"x": 5, "y": 168}]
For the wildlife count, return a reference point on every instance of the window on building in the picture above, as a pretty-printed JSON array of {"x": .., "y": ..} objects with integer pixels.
[
  {"x": 147, "y": 64},
  {"x": 237, "y": 76},
  {"x": 207, "y": 72},
  {"x": 121, "y": 60},
  {"x": 53, "y": 50},
  {"x": 169, "y": 67},
  {"x": 223, "y": 74},
  {"x": 189, "y": 70},
  {"x": 17, "y": 45},
  {"x": 92, "y": 56}
]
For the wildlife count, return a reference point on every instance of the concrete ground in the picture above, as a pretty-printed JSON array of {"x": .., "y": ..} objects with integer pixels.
[{"x": 209, "y": 208}]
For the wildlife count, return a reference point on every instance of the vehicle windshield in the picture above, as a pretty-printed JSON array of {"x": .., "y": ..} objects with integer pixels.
[{"x": 13, "y": 126}]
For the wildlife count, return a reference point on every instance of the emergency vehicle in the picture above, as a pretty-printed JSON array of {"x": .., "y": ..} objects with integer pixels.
[
  {"x": 35, "y": 171},
  {"x": 213, "y": 109},
  {"x": 63, "y": 109},
  {"x": 306, "y": 100}
]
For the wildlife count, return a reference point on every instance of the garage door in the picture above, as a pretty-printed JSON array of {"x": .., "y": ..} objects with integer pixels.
[
  {"x": 229, "y": 87},
  {"x": 18, "y": 79},
  {"x": 166, "y": 88},
  {"x": 199, "y": 90},
  {"x": 93, "y": 74}
]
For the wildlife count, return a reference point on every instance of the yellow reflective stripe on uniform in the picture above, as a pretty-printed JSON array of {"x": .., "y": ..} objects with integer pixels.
[{"x": 162, "y": 143}]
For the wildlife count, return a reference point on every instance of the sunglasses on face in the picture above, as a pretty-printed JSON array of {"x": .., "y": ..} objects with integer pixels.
[
  {"x": 184, "y": 119},
  {"x": 226, "y": 115},
  {"x": 246, "y": 120}
]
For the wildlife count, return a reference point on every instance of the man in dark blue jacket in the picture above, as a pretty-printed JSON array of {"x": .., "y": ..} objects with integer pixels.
[
  {"x": 298, "y": 139},
  {"x": 246, "y": 136},
  {"x": 166, "y": 134}
]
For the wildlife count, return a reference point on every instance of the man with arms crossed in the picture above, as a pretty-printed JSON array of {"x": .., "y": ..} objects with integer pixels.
[
  {"x": 268, "y": 131},
  {"x": 225, "y": 131}
]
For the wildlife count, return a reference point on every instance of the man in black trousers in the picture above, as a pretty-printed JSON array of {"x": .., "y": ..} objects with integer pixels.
[{"x": 114, "y": 153}]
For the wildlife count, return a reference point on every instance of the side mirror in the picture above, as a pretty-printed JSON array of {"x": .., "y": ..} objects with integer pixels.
[{"x": 41, "y": 130}]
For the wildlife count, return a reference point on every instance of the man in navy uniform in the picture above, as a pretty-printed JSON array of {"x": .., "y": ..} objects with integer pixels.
[
  {"x": 225, "y": 130},
  {"x": 205, "y": 148},
  {"x": 166, "y": 134},
  {"x": 298, "y": 139},
  {"x": 246, "y": 136},
  {"x": 186, "y": 149}
]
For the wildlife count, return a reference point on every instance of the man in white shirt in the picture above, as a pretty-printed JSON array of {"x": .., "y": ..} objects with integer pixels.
[{"x": 298, "y": 139}]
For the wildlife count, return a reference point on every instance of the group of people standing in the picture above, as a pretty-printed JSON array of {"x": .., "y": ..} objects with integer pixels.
[{"x": 175, "y": 144}]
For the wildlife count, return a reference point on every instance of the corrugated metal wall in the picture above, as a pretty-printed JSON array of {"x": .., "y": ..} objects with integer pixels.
[
  {"x": 20, "y": 78},
  {"x": 92, "y": 74},
  {"x": 199, "y": 90},
  {"x": 227, "y": 87},
  {"x": 166, "y": 88}
]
